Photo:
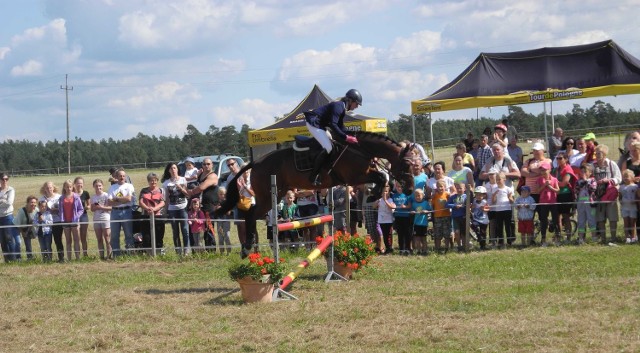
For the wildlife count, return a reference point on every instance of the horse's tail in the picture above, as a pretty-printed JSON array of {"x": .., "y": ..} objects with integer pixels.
[{"x": 233, "y": 195}]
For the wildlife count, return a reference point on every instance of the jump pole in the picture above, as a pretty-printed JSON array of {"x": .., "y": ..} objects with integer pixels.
[
  {"x": 330, "y": 270},
  {"x": 278, "y": 293},
  {"x": 313, "y": 255},
  {"x": 303, "y": 223}
]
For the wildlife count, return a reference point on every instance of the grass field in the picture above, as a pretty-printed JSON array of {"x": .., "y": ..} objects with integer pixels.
[
  {"x": 568, "y": 299},
  {"x": 565, "y": 299}
]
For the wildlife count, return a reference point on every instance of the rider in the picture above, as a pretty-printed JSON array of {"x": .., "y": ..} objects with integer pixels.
[{"x": 330, "y": 116}]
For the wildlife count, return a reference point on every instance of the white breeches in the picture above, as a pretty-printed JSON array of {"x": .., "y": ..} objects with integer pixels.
[{"x": 322, "y": 136}]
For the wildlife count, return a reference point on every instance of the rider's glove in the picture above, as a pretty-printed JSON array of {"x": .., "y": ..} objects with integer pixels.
[{"x": 352, "y": 139}]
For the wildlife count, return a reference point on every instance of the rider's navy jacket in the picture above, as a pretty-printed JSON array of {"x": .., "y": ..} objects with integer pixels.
[{"x": 330, "y": 115}]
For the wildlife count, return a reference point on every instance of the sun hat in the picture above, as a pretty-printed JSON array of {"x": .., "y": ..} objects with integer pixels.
[
  {"x": 190, "y": 160},
  {"x": 538, "y": 146},
  {"x": 589, "y": 136},
  {"x": 480, "y": 190},
  {"x": 501, "y": 127}
]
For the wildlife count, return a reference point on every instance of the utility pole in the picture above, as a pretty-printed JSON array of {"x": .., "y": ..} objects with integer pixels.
[{"x": 66, "y": 89}]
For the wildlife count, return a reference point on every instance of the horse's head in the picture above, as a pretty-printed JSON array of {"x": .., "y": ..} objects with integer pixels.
[
  {"x": 381, "y": 146},
  {"x": 402, "y": 171}
]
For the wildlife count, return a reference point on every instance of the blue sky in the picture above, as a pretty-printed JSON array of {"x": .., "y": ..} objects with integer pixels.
[{"x": 155, "y": 66}]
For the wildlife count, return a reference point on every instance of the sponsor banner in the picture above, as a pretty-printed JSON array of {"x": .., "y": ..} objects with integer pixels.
[
  {"x": 268, "y": 137},
  {"x": 426, "y": 106}
]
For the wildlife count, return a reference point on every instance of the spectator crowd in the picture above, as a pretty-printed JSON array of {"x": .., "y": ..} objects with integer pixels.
[{"x": 491, "y": 191}]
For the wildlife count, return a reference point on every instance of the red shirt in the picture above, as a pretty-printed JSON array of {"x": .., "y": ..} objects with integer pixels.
[{"x": 67, "y": 204}]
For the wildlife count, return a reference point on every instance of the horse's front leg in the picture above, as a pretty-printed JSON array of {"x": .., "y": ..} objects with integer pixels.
[{"x": 380, "y": 180}]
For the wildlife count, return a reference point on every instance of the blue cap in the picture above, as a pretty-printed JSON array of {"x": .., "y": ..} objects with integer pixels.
[{"x": 525, "y": 188}]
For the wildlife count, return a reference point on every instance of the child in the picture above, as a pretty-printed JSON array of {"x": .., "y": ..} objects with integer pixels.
[
  {"x": 78, "y": 188},
  {"x": 385, "y": 208},
  {"x": 585, "y": 192},
  {"x": 191, "y": 173},
  {"x": 629, "y": 195},
  {"x": 223, "y": 226},
  {"x": 71, "y": 210},
  {"x": 101, "y": 219},
  {"x": 457, "y": 203},
  {"x": 501, "y": 199},
  {"x": 420, "y": 207},
  {"x": 490, "y": 186},
  {"x": 548, "y": 188},
  {"x": 526, "y": 205},
  {"x": 196, "y": 223},
  {"x": 43, "y": 220},
  {"x": 288, "y": 213},
  {"x": 442, "y": 216},
  {"x": 480, "y": 219},
  {"x": 402, "y": 219}
]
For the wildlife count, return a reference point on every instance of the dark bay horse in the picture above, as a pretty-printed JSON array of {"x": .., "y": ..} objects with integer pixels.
[{"x": 352, "y": 167}]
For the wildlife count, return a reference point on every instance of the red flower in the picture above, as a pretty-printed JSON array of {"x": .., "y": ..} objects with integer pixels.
[
  {"x": 263, "y": 271},
  {"x": 260, "y": 263},
  {"x": 355, "y": 250},
  {"x": 344, "y": 252}
]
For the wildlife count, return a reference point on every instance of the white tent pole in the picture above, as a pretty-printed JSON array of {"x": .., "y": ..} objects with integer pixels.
[
  {"x": 553, "y": 120},
  {"x": 546, "y": 133},
  {"x": 413, "y": 126},
  {"x": 433, "y": 152}
]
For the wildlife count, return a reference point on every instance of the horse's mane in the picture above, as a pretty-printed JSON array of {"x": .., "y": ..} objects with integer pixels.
[{"x": 366, "y": 135}]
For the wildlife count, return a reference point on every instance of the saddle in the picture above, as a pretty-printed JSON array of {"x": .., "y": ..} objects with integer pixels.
[{"x": 305, "y": 150}]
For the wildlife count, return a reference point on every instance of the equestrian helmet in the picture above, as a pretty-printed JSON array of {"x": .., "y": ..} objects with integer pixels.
[{"x": 354, "y": 95}]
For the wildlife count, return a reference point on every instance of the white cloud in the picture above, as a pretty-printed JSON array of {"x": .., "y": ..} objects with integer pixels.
[
  {"x": 318, "y": 19},
  {"x": 176, "y": 25},
  {"x": 256, "y": 113},
  {"x": 4, "y": 51},
  {"x": 29, "y": 68},
  {"x": 167, "y": 126},
  {"x": 253, "y": 14},
  {"x": 163, "y": 93},
  {"x": 441, "y": 9},
  {"x": 345, "y": 60},
  {"x": 54, "y": 31},
  {"x": 136, "y": 29}
]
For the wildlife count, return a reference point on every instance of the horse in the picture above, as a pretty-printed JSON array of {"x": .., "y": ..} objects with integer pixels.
[{"x": 349, "y": 164}]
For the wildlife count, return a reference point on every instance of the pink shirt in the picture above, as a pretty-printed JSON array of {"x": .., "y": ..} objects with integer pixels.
[
  {"x": 197, "y": 221},
  {"x": 547, "y": 195}
]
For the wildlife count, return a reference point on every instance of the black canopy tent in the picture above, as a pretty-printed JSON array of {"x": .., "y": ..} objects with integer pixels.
[{"x": 538, "y": 75}]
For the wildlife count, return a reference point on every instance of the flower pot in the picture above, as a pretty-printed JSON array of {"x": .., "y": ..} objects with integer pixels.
[
  {"x": 343, "y": 271},
  {"x": 256, "y": 291}
]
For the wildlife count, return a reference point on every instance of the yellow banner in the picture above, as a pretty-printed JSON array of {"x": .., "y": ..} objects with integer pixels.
[
  {"x": 517, "y": 98},
  {"x": 268, "y": 137}
]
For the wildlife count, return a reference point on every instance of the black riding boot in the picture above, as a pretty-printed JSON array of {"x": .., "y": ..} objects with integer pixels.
[{"x": 314, "y": 177}]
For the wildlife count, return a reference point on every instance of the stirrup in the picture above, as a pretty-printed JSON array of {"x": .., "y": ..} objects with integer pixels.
[{"x": 316, "y": 181}]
